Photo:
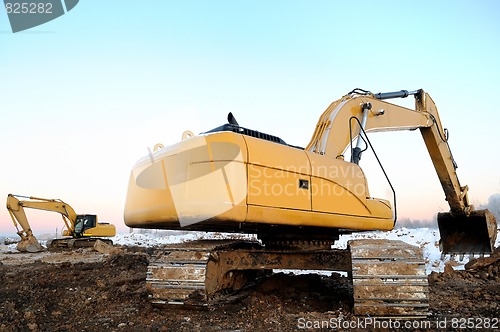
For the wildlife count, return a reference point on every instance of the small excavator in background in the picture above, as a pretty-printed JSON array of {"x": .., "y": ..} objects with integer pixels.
[
  {"x": 82, "y": 230},
  {"x": 297, "y": 201}
]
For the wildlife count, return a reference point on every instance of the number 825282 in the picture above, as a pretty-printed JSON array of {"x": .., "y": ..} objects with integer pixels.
[
  {"x": 28, "y": 8},
  {"x": 475, "y": 323}
]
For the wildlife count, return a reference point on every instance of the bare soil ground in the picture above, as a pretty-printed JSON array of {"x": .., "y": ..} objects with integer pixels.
[{"x": 87, "y": 291}]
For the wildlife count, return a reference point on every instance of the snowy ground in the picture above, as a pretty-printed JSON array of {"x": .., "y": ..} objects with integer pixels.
[{"x": 425, "y": 238}]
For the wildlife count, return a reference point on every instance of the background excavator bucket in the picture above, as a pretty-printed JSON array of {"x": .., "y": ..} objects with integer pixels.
[
  {"x": 29, "y": 244},
  {"x": 472, "y": 234}
]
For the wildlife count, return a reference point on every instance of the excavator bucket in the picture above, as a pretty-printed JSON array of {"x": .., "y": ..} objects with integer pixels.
[
  {"x": 472, "y": 234},
  {"x": 29, "y": 244}
]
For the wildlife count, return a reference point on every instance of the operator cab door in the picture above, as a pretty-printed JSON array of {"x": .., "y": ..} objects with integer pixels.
[
  {"x": 84, "y": 222},
  {"x": 278, "y": 175},
  {"x": 338, "y": 187}
]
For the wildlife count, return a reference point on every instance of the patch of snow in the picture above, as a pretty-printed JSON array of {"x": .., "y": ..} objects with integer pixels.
[
  {"x": 158, "y": 239},
  {"x": 425, "y": 238}
]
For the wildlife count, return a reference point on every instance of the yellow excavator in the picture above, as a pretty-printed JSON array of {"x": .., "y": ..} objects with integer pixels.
[
  {"x": 298, "y": 201},
  {"x": 82, "y": 230}
]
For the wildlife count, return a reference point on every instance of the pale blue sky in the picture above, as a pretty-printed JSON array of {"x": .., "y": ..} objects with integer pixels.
[{"x": 85, "y": 95}]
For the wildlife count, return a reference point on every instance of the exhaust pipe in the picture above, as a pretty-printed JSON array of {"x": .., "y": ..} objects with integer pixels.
[{"x": 471, "y": 234}]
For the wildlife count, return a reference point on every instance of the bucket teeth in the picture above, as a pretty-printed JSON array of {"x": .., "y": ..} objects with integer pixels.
[
  {"x": 29, "y": 244},
  {"x": 467, "y": 234}
]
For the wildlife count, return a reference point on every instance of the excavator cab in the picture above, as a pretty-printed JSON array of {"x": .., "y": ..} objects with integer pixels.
[
  {"x": 84, "y": 222},
  {"x": 467, "y": 234},
  {"x": 87, "y": 225}
]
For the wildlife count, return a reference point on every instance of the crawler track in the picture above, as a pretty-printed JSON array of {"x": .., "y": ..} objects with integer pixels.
[
  {"x": 389, "y": 279},
  {"x": 200, "y": 274},
  {"x": 177, "y": 275},
  {"x": 75, "y": 243}
]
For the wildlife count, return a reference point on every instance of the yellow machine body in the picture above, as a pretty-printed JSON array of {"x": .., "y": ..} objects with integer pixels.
[
  {"x": 227, "y": 181},
  {"x": 239, "y": 180}
]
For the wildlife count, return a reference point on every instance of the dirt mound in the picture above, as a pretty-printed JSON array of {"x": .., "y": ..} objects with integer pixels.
[
  {"x": 72, "y": 296},
  {"x": 474, "y": 291},
  {"x": 477, "y": 269},
  {"x": 72, "y": 292},
  {"x": 312, "y": 291}
]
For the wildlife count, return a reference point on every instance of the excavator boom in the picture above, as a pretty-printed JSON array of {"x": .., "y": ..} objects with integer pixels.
[
  {"x": 28, "y": 242},
  {"x": 463, "y": 230}
]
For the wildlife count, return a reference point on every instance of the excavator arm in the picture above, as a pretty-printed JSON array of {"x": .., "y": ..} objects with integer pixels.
[
  {"x": 16, "y": 210},
  {"x": 463, "y": 229},
  {"x": 332, "y": 134}
]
